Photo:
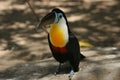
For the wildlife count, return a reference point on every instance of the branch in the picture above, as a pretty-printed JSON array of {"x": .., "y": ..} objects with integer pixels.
[{"x": 27, "y": 1}]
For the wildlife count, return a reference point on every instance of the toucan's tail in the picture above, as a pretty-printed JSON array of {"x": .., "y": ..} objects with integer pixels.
[{"x": 82, "y": 56}]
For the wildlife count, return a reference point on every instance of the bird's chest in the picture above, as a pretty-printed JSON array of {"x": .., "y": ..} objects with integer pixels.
[{"x": 58, "y": 36}]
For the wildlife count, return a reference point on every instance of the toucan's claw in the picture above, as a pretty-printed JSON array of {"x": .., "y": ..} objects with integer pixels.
[
  {"x": 71, "y": 74},
  {"x": 58, "y": 69}
]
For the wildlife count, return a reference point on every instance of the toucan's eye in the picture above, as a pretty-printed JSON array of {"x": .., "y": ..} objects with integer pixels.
[{"x": 60, "y": 15}]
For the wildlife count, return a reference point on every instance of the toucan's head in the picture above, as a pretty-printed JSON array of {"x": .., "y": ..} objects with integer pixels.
[
  {"x": 55, "y": 16},
  {"x": 58, "y": 27}
]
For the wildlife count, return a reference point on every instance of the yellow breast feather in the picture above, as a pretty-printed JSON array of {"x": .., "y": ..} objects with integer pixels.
[{"x": 58, "y": 36}]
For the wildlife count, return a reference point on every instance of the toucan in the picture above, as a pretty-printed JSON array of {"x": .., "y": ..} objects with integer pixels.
[{"x": 62, "y": 42}]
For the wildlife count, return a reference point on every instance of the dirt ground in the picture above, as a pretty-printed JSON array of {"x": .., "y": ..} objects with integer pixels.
[
  {"x": 24, "y": 53},
  {"x": 100, "y": 64}
]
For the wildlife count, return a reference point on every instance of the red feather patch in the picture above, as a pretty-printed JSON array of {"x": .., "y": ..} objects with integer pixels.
[{"x": 62, "y": 50}]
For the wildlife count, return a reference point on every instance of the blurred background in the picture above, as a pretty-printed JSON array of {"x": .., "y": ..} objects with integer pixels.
[{"x": 95, "y": 22}]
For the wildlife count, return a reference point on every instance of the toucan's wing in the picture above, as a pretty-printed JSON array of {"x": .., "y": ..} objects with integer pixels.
[{"x": 74, "y": 52}]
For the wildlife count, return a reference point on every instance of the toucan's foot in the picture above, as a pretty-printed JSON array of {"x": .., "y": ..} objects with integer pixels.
[
  {"x": 71, "y": 74},
  {"x": 58, "y": 69}
]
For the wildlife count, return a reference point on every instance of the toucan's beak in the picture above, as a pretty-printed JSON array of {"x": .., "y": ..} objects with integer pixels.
[{"x": 48, "y": 19}]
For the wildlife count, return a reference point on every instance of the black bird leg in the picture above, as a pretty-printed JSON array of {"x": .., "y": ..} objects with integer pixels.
[
  {"x": 71, "y": 74},
  {"x": 58, "y": 69}
]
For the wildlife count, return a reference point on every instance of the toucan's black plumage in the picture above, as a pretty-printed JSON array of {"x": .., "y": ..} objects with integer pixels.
[
  {"x": 62, "y": 42},
  {"x": 72, "y": 52}
]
